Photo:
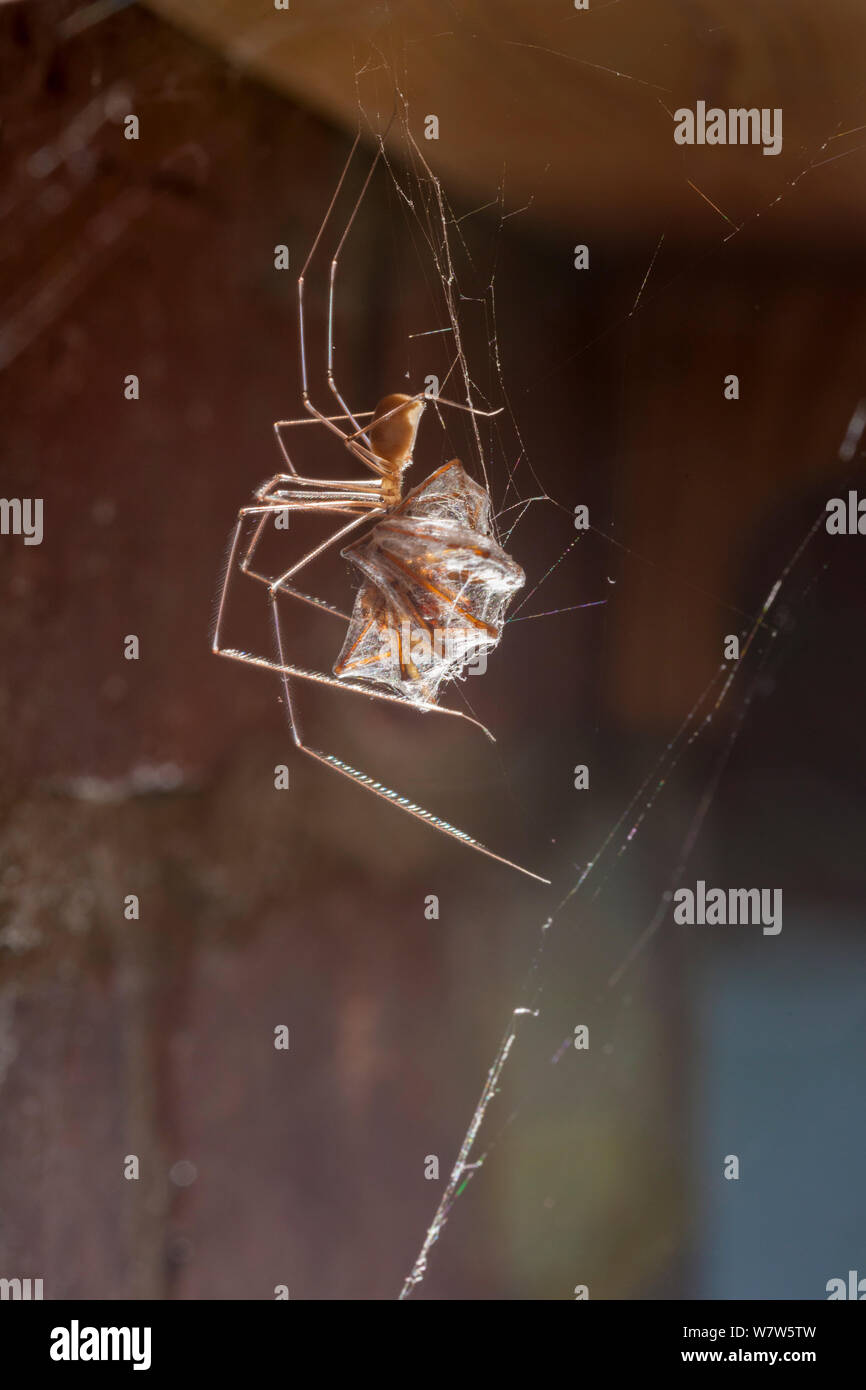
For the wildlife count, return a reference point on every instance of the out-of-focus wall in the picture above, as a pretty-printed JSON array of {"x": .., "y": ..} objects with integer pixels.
[{"x": 260, "y": 907}]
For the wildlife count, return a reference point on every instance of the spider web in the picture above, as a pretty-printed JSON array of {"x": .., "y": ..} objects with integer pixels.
[
  {"x": 504, "y": 465},
  {"x": 459, "y": 255}
]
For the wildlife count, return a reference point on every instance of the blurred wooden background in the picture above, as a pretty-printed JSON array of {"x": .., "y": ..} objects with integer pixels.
[{"x": 156, "y": 257}]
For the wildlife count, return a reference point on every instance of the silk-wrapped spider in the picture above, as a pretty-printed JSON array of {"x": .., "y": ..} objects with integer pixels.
[{"x": 435, "y": 583}]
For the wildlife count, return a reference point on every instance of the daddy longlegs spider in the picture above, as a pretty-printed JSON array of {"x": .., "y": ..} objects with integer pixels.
[{"x": 430, "y": 564}]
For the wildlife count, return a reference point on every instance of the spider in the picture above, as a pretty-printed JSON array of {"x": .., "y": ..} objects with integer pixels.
[{"x": 435, "y": 582}]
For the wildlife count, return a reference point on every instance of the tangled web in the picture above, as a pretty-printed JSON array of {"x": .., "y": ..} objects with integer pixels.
[{"x": 501, "y": 462}]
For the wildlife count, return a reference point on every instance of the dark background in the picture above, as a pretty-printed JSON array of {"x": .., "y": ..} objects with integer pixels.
[{"x": 306, "y": 907}]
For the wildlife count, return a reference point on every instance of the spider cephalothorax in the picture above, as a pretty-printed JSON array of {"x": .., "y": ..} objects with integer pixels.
[{"x": 392, "y": 433}]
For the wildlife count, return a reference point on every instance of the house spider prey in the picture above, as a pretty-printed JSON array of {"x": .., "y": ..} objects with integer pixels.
[{"x": 434, "y": 583}]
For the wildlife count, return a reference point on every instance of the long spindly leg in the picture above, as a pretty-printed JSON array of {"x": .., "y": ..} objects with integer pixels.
[
  {"x": 361, "y": 451},
  {"x": 324, "y": 545},
  {"x": 318, "y": 677},
  {"x": 364, "y": 452},
  {"x": 246, "y": 568},
  {"x": 273, "y": 507},
  {"x": 419, "y": 396},
  {"x": 358, "y": 442},
  {"x": 313, "y": 420},
  {"x": 280, "y": 584},
  {"x": 368, "y": 486},
  {"x": 302, "y": 502},
  {"x": 357, "y": 415},
  {"x": 370, "y": 784},
  {"x": 307, "y": 420},
  {"x": 332, "y": 384},
  {"x": 263, "y": 510}
]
